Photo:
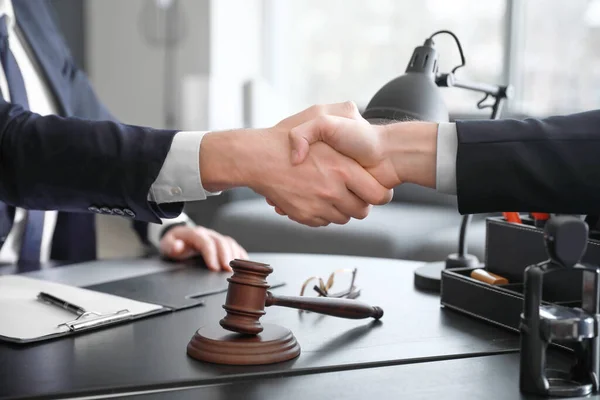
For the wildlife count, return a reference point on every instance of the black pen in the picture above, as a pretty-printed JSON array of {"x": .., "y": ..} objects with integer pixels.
[{"x": 55, "y": 301}]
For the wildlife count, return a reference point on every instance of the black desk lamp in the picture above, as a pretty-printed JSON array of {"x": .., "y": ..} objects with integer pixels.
[{"x": 416, "y": 96}]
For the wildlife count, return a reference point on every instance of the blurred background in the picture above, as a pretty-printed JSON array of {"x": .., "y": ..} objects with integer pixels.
[{"x": 220, "y": 64}]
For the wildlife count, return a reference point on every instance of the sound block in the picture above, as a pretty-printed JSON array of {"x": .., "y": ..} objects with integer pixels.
[{"x": 217, "y": 345}]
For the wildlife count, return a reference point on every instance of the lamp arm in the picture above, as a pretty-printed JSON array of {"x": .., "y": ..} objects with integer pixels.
[
  {"x": 499, "y": 92},
  {"x": 449, "y": 80}
]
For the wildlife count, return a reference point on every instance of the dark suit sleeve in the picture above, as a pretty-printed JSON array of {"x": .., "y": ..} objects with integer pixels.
[
  {"x": 540, "y": 165},
  {"x": 73, "y": 164}
]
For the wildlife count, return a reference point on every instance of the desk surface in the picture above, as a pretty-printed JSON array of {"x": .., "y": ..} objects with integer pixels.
[
  {"x": 489, "y": 377},
  {"x": 151, "y": 353}
]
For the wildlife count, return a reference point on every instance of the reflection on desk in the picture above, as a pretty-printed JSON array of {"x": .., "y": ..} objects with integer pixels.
[
  {"x": 489, "y": 377},
  {"x": 151, "y": 353}
]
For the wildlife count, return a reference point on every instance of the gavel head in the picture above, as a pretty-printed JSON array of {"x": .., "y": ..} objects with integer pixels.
[{"x": 246, "y": 296}]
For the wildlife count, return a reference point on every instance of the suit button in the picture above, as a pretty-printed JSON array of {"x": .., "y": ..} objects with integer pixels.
[
  {"x": 94, "y": 210},
  {"x": 176, "y": 191},
  {"x": 106, "y": 210},
  {"x": 118, "y": 211},
  {"x": 129, "y": 212}
]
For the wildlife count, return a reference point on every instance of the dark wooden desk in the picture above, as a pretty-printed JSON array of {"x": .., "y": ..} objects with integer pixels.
[
  {"x": 150, "y": 353},
  {"x": 489, "y": 377}
]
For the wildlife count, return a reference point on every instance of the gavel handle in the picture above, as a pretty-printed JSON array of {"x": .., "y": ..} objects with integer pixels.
[{"x": 343, "y": 308}]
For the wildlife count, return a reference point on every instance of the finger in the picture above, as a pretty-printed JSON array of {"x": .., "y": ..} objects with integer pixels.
[
  {"x": 237, "y": 250},
  {"x": 166, "y": 244},
  {"x": 367, "y": 188},
  {"x": 335, "y": 216},
  {"x": 184, "y": 254},
  {"x": 329, "y": 212},
  {"x": 209, "y": 254},
  {"x": 242, "y": 253},
  {"x": 277, "y": 209},
  {"x": 347, "y": 109},
  {"x": 280, "y": 211},
  {"x": 178, "y": 249},
  {"x": 313, "y": 222},
  {"x": 302, "y": 136},
  {"x": 224, "y": 251},
  {"x": 173, "y": 247},
  {"x": 201, "y": 242},
  {"x": 353, "y": 206}
]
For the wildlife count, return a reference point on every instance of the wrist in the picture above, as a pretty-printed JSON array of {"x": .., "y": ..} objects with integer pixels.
[
  {"x": 231, "y": 159},
  {"x": 411, "y": 148},
  {"x": 222, "y": 160}
]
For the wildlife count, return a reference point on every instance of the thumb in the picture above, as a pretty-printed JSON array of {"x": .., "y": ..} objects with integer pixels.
[
  {"x": 300, "y": 144},
  {"x": 302, "y": 136}
]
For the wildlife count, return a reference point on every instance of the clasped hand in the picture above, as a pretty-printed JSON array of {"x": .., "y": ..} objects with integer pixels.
[{"x": 324, "y": 185}]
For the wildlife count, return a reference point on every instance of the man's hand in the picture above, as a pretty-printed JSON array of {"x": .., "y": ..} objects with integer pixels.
[
  {"x": 355, "y": 138},
  {"x": 394, "y": 153},
  {"x": 183, "y": 242},
  {"x": 351, "y": 208},
  {"x": 328, "y": 187}
]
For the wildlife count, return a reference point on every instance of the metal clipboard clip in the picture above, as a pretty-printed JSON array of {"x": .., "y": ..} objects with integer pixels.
[{"x": 82, "y": 322}]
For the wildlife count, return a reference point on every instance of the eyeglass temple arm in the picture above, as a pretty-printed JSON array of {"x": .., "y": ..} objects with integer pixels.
[{"x": 342, "y": 308}]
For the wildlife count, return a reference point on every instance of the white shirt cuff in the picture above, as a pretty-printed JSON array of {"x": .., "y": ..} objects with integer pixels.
[
  {"x": 179, "y": 178},
  {"x": 447, "y": 145},
  {"x": 155, "y": 230}
]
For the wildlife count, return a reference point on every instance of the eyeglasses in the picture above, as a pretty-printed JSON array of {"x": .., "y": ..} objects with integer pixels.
[{"x": 342, "y": 279}]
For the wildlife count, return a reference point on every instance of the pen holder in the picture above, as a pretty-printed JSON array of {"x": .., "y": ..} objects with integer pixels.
[
  {"x": 510, "y": 248},
  {"x": 566, "y": 241}
]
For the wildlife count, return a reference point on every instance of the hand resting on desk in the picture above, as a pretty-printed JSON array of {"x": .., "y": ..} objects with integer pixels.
[{"x": 183, "y": 242}]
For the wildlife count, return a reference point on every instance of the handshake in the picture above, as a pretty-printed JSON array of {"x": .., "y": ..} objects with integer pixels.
[{"x": 323, "y": 165}]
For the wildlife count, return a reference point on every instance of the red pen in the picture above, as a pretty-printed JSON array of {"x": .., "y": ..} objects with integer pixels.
[
  {"x": 512, "y": 217},
  {"x": 539, "y": 219}
]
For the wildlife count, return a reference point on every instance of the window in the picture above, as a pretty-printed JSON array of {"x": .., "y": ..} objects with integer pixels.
[
  {"x": 559, "y": 64},
  {"x": 322, "y": 51}
]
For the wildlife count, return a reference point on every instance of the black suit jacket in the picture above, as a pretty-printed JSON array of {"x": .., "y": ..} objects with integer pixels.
[
  {"x": 538, "y": 165},
  {"x": 81, "y": 160}
]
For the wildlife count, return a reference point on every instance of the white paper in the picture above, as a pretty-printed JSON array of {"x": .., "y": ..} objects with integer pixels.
[{"x": 24, "y": 317}]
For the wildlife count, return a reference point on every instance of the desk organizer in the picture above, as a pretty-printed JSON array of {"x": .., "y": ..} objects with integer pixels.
[{"x": 510, "y": 248}]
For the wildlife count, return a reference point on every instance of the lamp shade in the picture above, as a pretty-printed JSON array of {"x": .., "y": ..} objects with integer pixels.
[{"x": 412, "y": 96}]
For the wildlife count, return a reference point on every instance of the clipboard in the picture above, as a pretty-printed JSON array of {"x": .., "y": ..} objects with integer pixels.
[
  {"x": 94, "y": 319},
  {"x": 25, "y": 319}
]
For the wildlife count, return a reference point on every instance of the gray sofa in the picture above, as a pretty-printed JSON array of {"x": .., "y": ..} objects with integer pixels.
[{"x": 419, "y": 224}]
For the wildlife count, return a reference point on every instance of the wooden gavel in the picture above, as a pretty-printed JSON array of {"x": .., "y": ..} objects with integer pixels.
[{"x": 247, "y": 296}]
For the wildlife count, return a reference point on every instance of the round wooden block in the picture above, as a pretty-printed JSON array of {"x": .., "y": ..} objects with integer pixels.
[{"x": 217, "y": 345}]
